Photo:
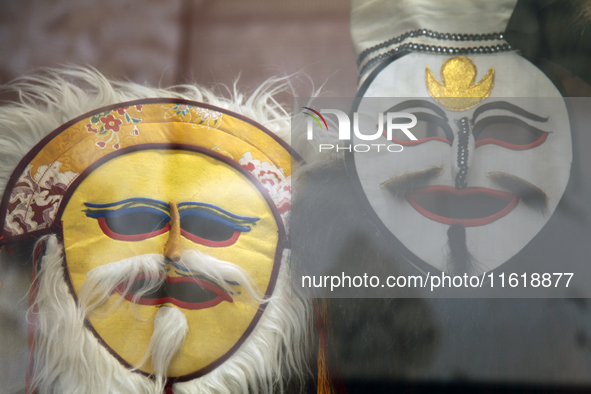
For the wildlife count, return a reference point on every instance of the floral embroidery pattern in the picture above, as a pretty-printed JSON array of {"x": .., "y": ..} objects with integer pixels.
[
  {"x": 222, "y": 152},
  {"x": 273, "y": 179},
  {"x": 106, "y": 126},
  {"x": 196, "y": 116},
  {"x": 34, "y": 201}
]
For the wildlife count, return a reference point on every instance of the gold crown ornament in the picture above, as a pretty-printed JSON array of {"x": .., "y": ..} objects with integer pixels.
[{"x": 457, "y": 91}]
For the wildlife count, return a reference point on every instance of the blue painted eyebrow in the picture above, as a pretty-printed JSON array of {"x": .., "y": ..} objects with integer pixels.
[
  {"x": 215, "y": 218},
  {"x": 136, "y": 199},
  {"x": 207, "y": 205},
  {"x": 249, "y": 219},
  {"x": 127, "y": 211}
]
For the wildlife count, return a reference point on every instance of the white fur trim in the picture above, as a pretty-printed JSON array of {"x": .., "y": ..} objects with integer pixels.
[{"x": 69, "y": 359}]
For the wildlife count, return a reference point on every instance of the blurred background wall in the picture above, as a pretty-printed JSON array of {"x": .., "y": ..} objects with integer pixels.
[{"x": 161, "y": 43}]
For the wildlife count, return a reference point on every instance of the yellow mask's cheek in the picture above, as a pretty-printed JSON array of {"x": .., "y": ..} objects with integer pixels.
[{"x": 170, "y": 176}]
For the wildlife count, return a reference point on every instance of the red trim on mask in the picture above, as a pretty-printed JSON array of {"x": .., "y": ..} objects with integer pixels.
[
  {"x": 207, "y": 242},
  {"x": 508, "y": 145}
]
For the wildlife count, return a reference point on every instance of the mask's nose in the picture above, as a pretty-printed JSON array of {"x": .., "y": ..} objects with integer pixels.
[
  {"x": 463, "y": 152},
  {"x": 172, "y": 248}
]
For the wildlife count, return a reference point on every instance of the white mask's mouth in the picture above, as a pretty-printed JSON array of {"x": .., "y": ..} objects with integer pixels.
[{"x": 473, "y": 206}]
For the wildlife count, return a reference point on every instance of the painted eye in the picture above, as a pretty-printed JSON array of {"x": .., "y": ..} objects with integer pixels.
[
  {"x": 428, "y": 128},
  {"x": 132, "y": 224},
  {"x": 508, "y": 132},
  {"x": 201, "y": 223},
  {"x": 209, "y": 229}
]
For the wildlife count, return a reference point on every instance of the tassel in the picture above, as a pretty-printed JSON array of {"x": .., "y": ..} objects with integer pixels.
[
  {"x": 168, "y": 388},
  {"x": 324, "y": 381},
  {"x": 324, "y": 385},
  {"x": 329, "y": 379}
]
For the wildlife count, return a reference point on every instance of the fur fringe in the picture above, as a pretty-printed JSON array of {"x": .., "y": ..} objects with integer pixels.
[
  {"x": 275, "y": 352},
  {"x": 68, "y": 358}
]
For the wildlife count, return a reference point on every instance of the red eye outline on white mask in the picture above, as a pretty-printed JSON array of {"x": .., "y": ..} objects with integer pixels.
[{"x": 508, "y": 132}]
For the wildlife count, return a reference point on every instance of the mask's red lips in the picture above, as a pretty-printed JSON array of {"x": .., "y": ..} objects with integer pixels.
[
  {"x": 474, "y": 206},
  {"x": 184, "y": 292}
]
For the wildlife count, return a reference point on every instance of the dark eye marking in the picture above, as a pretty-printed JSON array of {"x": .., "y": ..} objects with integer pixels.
[{"x": 131, "y": 224}]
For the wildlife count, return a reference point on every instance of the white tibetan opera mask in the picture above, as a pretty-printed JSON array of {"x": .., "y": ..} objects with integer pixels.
[{"x": 493, "y": 154}]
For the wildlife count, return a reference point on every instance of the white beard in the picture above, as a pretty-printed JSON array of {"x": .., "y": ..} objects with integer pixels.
[{"x": 69, "y": 359}]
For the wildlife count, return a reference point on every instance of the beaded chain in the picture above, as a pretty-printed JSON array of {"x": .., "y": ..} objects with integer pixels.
[
  {"x": 438, "y": 49},
  {"x": 432, "y": 34},
  {"x": 463, "y": 138}
]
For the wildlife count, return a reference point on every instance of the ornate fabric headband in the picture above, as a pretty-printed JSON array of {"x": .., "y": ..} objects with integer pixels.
[{"x": 42, "y": 183}]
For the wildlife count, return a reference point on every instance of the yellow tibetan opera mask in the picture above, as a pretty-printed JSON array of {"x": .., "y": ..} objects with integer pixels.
[{"x": 154, "y": 180}]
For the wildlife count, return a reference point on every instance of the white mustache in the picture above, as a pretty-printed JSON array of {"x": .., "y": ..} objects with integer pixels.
[
  {"x": 102, "y": 281},
  {"x": 224, "y": 273},
  {"x": 170, "y": 324}
]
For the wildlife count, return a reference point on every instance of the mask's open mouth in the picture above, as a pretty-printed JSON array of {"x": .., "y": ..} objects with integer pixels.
[
  {"x": 474, "y": 206},
  {"x": 193, "y": 292}
]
